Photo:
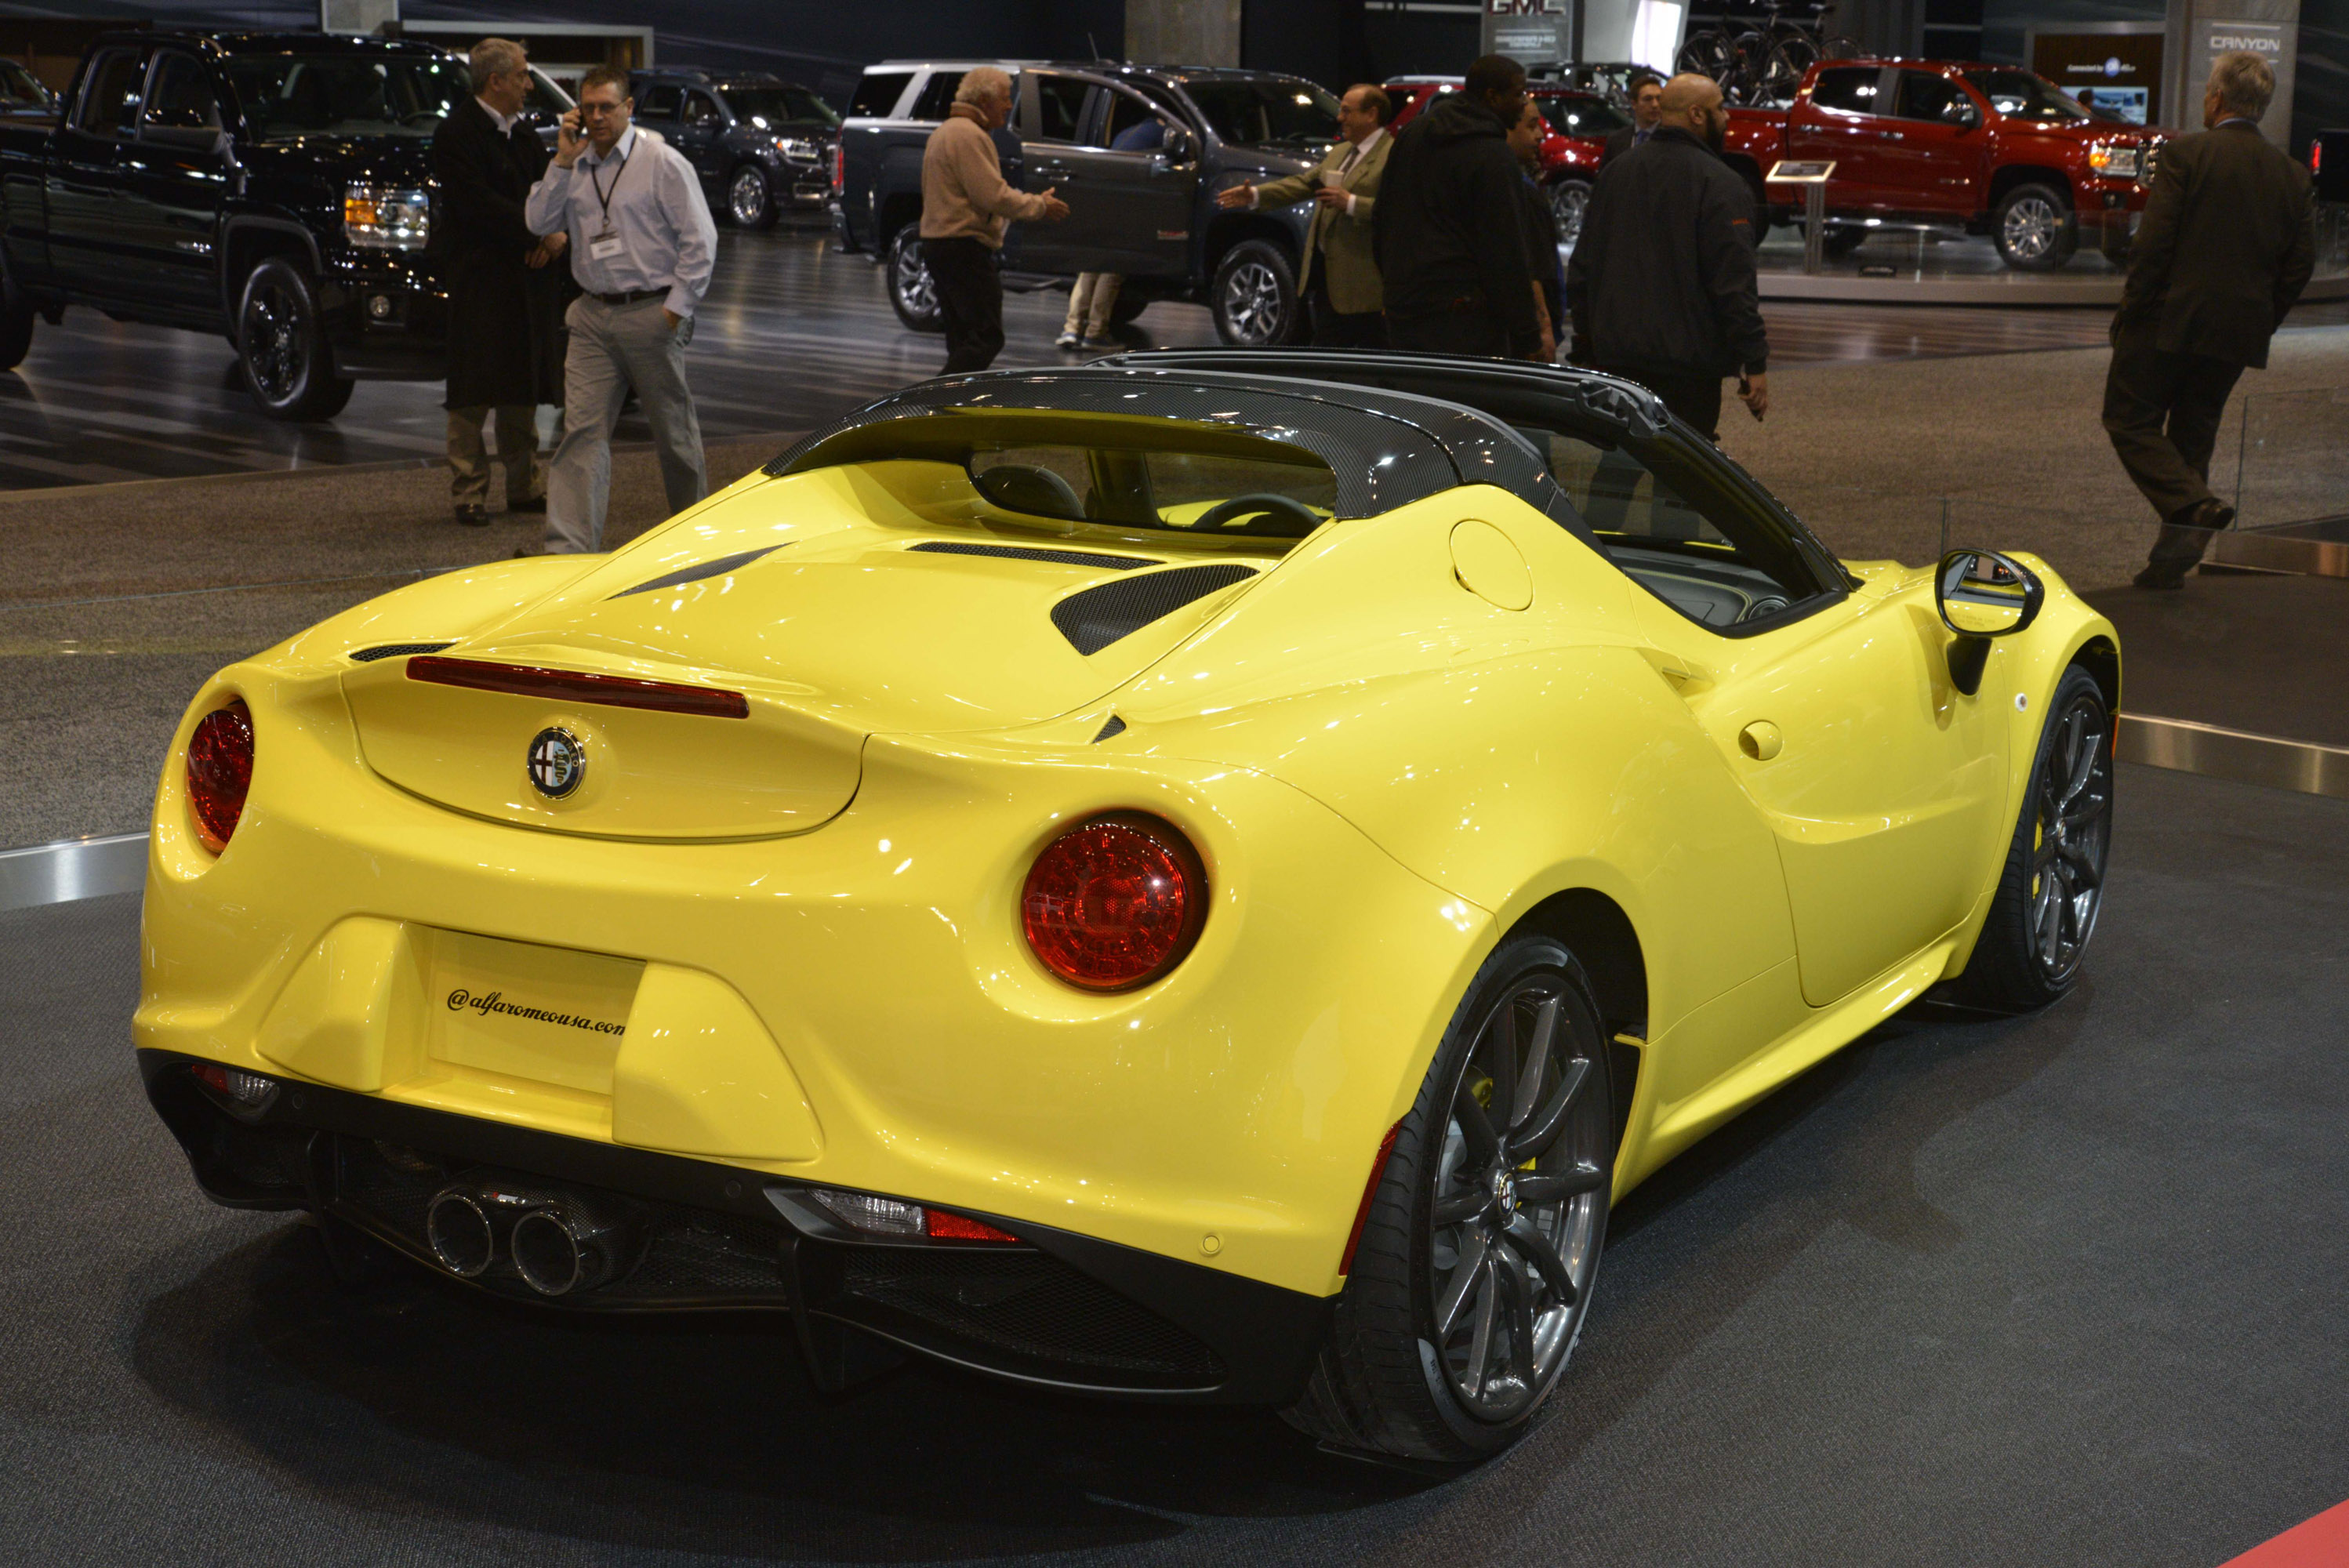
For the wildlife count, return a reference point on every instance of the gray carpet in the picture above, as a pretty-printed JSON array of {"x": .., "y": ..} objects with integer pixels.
[{"x": 2050, "y": 1291}]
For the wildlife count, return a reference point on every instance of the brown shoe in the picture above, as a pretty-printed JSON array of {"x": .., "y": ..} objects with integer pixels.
[
  {"x": 472, "y": 514},
  {"x": 2162, "y": 578},
  {"x": 2211, "y": 513}
]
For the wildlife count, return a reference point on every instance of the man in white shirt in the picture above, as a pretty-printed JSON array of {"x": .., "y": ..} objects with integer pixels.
[
  {"x": 1340, "y": 277},
  {"x": 642, "y": 246}
]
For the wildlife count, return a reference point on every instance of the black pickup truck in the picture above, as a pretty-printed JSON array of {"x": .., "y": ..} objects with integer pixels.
[
  {"x": 273, "y": 188},
  {"x": 1139, "y": 154}
]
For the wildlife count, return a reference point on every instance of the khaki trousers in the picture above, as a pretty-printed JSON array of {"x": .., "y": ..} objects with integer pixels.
[
  {"x": 614, "y": 347},
  {"x": 469, "y": 457},
  {"x": 1090, "y": 303}
]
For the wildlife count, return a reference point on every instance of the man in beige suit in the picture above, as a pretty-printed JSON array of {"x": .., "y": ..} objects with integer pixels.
[{"x": 1340, "y": 279}]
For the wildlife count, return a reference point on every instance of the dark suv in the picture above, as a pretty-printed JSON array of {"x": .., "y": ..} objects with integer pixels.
[
  {"x": 760, "y": 143},
  {"x": 275, "y": 188},
  {"x": 1138, "y": 151}
]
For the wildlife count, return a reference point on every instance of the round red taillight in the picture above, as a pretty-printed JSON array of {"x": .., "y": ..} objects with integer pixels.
[
  {"x": 1115, "y": 903},
  {"x": 219, "y": 770}
]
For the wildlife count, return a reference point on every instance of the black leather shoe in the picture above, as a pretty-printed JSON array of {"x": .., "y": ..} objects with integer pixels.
[
  {"x": 2162, "y": 579},
  {"x": 474, "y": 515},
  {"x": 2213, "y": 514},
  {"x": 528, "y": 503}
]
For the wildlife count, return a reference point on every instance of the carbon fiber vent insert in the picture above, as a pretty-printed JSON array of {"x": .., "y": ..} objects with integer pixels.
[
  {"x": 699, "y": 570},
  {"x": 1097, "y": 618},
  {"x": 395, "y": 650},
  {"x": 1115, "y": 726},
  {"x": 1026, "y": 553}
]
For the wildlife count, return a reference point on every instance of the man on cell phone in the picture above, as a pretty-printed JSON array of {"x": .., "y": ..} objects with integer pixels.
[{"x": 642, "y": 246}]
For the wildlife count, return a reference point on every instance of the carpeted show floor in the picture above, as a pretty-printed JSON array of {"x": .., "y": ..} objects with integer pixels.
[{"x": 2056, "y": 1290}]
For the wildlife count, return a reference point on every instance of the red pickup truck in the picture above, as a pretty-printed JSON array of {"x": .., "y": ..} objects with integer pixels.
[{"x": 1994, "y": 149}]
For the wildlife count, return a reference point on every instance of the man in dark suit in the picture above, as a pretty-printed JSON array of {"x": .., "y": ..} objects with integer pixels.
[
  {"x": 505, "y": 351},
  {"x": 2227, "y": 243},
  {"x": 1647, "y": 112}
]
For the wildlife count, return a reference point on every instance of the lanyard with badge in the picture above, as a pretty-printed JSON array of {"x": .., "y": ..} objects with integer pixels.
[{"x": 605, "y": 243}]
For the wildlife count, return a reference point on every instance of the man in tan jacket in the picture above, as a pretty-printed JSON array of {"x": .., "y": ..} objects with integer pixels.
[
  {"x": 1340, "y": 278},
  {"x": 966, "y": 207}
]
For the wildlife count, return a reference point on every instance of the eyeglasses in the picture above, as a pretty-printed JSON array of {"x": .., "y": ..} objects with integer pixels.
[{"x": 590, "y": 109}]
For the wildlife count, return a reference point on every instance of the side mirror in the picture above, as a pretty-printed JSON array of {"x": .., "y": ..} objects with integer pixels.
[
  {"x": 1177, "y": 147},
  {"x": 1982, "y": 595},
  {"x": 1962, "y": 114}
]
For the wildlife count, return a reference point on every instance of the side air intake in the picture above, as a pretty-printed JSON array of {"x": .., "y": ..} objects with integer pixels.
[
  {"x": 699, "y": 570},
  {"x": 1029, "y": 552},
  {"x": 395, "y": 650},
  {"x": 1097, "y": 618}
]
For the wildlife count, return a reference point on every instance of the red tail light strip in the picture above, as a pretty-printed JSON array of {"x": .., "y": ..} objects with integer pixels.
[
  {"x": 579, "y": 686},
  {"x": 1369, "y": 1192}
]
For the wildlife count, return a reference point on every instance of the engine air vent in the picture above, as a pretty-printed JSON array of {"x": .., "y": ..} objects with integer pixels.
[
  {"x": 1028, "y": 552},
  {"x": 395, "y": 650},
  {"x": 1115, "y": 726},
  {"x": 1099, "y": 616},
  {"x": 699, "y": 570}
]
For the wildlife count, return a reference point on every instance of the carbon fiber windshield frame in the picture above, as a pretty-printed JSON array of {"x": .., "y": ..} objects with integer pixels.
[{"x": 1386, "y": 449}]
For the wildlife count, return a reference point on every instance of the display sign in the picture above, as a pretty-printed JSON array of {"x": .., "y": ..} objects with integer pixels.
[
  {"x": 359, "y": 16},
  {"x": 2115, "y": 71},
  {"x": 1530, "y": 32},
  {"x": 2269, "y": 29},
  {"x": 1789, "y": 172}
]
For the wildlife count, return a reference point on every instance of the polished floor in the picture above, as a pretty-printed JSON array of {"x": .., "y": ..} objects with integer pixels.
[
  {"x": 792, "y": 336},
  {"x": 2049, "y": 1291}
]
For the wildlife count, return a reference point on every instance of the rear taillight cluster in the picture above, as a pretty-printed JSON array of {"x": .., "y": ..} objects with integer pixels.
[
  {"x": 1115, "y": 903},
  {"x": 839, "y": 168},
  {"x": 220, "y": 772},
  {"x": 882, "y": 1216}
]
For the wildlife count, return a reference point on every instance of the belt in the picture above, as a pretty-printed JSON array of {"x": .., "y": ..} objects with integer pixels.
[{"x": 631, "y": 297}]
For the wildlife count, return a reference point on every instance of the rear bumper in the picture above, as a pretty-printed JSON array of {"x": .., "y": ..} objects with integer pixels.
[{"x": 1059, "y": 1309}]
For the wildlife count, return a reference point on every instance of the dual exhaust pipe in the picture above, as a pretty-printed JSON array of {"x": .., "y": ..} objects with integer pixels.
[{"x": 560, "y": 1242}]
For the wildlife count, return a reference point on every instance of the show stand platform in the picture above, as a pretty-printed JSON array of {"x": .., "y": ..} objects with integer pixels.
[{"x": 1934, "y": 267}]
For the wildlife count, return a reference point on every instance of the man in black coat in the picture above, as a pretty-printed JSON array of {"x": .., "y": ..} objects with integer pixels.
[
  {"x": 1647, "y": 108},
  {"x": 1662, "y": 287},
  {"x": 506, "y": 353},
  {"x": 2226, "y": 244},
  {"x": 1448, "y": 234}
]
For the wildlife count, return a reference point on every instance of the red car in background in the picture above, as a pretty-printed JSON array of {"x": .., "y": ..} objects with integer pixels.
[
  {"x": 1579, "y": 124},
  {"x": 1994, "y": 149}
]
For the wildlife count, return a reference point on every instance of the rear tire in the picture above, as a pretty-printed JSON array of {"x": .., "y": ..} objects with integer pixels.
[
  {"x": 281, "y": 344},
  {"x": 2036, "y": 935},
  {"x": 1255, "y": 297},
  {"x": 1473, "y": 1276},
  {"x": 1128, "y": 308},
  {"x": 2035, "y": 229},
  {"x": 16, "y": 318},
  {"x": 912, "y": 294}
]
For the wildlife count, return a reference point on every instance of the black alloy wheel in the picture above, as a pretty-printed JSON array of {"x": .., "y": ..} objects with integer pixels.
[
  {"x": 1569, "y": 199},
  {"x": 1255, "y": 298},
  {"x": 2035, "y": 228},
  {"x": 2051, "y": 887},
  {"x": 749, "y": 201},
  {"x": 1130, "y": 304},
  {"x": 1476, "y": 1262},
  {"x": 912, "y": 293},
  {"x": 17, "y": 317},
  {"x": 281, "y": 344}
]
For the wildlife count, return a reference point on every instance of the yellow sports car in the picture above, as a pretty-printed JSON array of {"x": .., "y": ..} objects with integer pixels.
[{"x": 1198, "y": 877}]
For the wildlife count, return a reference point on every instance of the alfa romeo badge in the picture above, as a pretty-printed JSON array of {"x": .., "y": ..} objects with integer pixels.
[{"x": 557, "y": 762}]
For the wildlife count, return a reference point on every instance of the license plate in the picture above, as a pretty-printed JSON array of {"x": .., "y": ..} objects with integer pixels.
[{"x": 547, "y": 1014}]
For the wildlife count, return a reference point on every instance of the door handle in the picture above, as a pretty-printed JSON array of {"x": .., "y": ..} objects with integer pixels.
[{"x": 1761, "y": 740}]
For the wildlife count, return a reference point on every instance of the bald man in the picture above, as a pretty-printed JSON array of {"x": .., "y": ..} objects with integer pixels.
[{"x": 1661, "y": 286}]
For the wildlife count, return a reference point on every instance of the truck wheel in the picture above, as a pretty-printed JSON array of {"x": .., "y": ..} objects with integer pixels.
[
  {"x": 16, "y": 333},
  {"x": 1480, "y": 1245},
  {"x": 1569, "y": 200},
  {"x": 1129, "y": 307},
  {"x": 281, "y": 342},
  {"x": 2035, "y": 229},
  {"x": 1841, "y": 243},
  {"x": 1255, "y": 297},
  {"x": 748, "y": 200},
  {"x": 911, "y": 293}
]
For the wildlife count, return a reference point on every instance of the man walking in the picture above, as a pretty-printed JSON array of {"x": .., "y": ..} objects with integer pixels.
[
  {"x": 1340, "y": 281},
  {"x": 966, "y": 207},
  {"x": 1661, "y": 287},
  {"x": 2226, "y": 244},
  {"x": 1647, "y": 108},
  {"x": 504, "y": 329},
  {"x": 642, "y": 246},
  {"x": 1447, "y": 233}
]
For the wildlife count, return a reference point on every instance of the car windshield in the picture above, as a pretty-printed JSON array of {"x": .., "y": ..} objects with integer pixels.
[
  {"x": 772, "y": 109},
  {"x": 1282, "y": 112},
  {"x": 347, "y": 95},
  {"x": 1215, "y": 494},
  {"x": 1585, "y": 116},
  {"x": 2020, "y": 95}
]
